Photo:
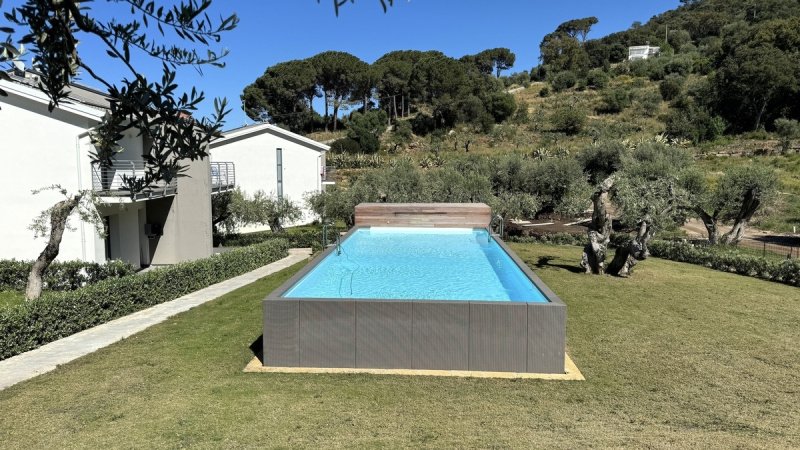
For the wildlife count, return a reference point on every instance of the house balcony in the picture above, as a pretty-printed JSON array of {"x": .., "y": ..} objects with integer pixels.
[
  {"x": 109, "y": 182},
  {"x": 223, "y": 176}
]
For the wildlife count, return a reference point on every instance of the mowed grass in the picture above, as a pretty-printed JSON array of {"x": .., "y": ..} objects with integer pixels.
[
  {"x": 676, "y": 356},
  {"x": 11, "y": 298}
]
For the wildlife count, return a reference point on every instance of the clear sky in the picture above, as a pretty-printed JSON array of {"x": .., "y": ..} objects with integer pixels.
[{"x": 271, "y": 31}]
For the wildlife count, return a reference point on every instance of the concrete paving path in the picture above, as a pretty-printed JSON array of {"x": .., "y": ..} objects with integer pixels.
[{"x": 47, "y": 357}]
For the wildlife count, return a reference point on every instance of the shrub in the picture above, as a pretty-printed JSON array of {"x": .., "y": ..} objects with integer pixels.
[
  {"x": 298, "y": 238},
  {"x": 544, "y": 92},
  {"x": 423, "y": 124},
  {"x": 501, "y": 106},
  {"x": 563, "y": 81},
  {"x": 681, "y": 65},
  {"x": 671, "y": 87},
  {"x": 345, "y": 145},
  {"x": 597, "y": 78},
  {"x": 615, "y": 101},
  {"x": 649, "y": 102},
  {"x": 61, "y": 276},
  {"x": 787, "y": 129},
  {"x": 729, "y": 260},
  {"x": 569, "y": 120},
  {"x": 59, "y": 314},
  {"x": 367, "y": 128}
]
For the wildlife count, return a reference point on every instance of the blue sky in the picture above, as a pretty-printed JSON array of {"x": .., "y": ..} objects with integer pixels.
[{"x": 271, "y": 31}]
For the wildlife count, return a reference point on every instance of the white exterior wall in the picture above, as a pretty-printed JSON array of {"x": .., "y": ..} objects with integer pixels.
[
  {"x": 40, "y": 149},
  {"x": 255, "y": 158}
]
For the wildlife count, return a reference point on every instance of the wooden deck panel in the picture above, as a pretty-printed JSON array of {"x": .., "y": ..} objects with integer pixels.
[{"x": 435, "y": 215}]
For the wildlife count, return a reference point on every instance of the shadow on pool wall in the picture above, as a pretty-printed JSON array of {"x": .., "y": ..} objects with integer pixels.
[{"x": 416, "y": 334}]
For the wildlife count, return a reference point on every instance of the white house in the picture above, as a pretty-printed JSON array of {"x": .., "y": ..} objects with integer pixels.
[
  {"x": 165, "y": 225},
  {"x": 276, "y": 161},
  {"x": 642, "y": 52}
]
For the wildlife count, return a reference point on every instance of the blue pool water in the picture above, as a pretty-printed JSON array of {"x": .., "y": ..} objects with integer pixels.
[{"x": 418, "y": 263}]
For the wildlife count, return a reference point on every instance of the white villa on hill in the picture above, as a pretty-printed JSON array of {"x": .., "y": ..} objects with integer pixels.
[
  {"x": 276, "y": 161},
  {"x": 167, "y": 225},
  {"x": 642, "y": 52}
]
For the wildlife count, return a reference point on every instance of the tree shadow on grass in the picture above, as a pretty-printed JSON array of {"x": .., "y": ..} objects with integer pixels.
[
  {"x": 546, "y": 261},
  {"x": 257, "y": 347}
]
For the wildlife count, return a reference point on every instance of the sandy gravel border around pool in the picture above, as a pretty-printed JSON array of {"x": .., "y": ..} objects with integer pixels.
[{"x": 571, "y": 372}]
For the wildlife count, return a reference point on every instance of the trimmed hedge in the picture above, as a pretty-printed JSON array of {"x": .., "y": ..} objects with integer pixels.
[
  {"x": 729, "y": 260},
  {"x": 302, "y": 238},
  {"x": 61, "y": 276},
  {"x": 59, "y": 314}
]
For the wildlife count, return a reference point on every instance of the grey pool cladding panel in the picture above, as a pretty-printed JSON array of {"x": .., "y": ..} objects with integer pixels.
[{"x": 420, "y": 334}]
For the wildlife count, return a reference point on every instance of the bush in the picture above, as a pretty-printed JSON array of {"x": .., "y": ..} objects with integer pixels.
[
  {"x": 729, "y": 260},
  {"x": 367, "y": 128},
  {"x": 597, "y": 78},
  {"x": 345, "y": 145},
  {"x": 423, "y": 124},
  {"x": 615, "y": 101},
  {"x": 671, "y": 87},
  {"x": 298, "y": 238},
  {"x": 649, "y": 102},
  {"x": 563, "y": 81},
  {"x": 59, "y": 314},
  {"x": 787, "y": 130},
  {"x": 501, "y": 106},
  {"x": 544, "y": 92},
  {"x": 61, "y": 276},
  {"x": 569, "y": 120}
]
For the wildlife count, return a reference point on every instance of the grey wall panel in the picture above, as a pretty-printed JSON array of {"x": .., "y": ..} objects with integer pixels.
[
  {"x": 383, "y": 335},
  {"x": 498, "y": 337},
  {"x": 327, "y": 334},
  {"x": 281, "y": 333},
  {"x": 546, "y": 338},
  {"x": 440, "y": 336}
]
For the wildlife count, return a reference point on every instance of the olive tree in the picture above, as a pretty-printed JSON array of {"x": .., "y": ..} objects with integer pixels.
[
  {"x": 735, "y": 198},
  {"x": 647, "y": 194}
]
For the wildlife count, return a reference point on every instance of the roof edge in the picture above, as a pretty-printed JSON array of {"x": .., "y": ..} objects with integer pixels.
[{"x": 241, "y": 133}]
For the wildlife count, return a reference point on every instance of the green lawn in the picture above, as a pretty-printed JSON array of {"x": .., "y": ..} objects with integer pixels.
[
  {"x": 676, "y": 356},
  {"x": 11, "y": 298}
]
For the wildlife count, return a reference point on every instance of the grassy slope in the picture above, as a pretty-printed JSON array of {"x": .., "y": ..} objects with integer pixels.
[{"x": 677, "y": 355}]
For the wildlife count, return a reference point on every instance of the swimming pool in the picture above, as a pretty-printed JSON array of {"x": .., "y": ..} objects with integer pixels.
[
  {"x": 418, "y": 263},
  {"x": 416, "y": 298}
]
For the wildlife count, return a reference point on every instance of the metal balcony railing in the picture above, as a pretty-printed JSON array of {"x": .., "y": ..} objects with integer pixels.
[
  {"x": 328, "y": 174},
  {"x": 109, "y": 181},
  {"x": 223, "y": 176}
]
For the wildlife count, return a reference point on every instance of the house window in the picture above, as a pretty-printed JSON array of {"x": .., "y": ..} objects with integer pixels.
[{"x": 279, "y": 158}]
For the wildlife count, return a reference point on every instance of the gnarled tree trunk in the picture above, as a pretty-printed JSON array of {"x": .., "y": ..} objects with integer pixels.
[
  {"x": 749, "y": 207},
  {"x": 626, "y": 257},
  {"x": 58, "y": 222},
  {"x": 710, "y": 222},
  {"x": 594, "y": 254}
]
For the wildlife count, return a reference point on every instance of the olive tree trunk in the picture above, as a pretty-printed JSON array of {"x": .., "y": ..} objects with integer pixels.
[
  {"x": 626, "y": 257},
  {"x": 594, "y": 253},
  {"x": 710, "y": 222},
  {"x": 58, "y": 222},
  {"x": 749, "y": 207}
]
